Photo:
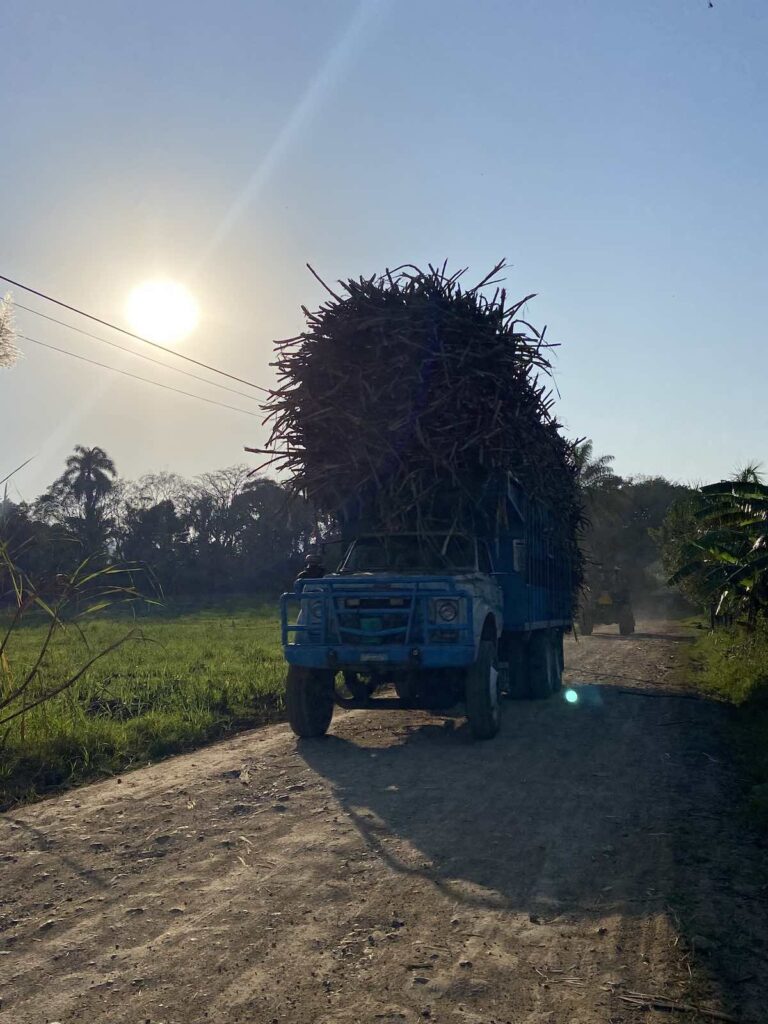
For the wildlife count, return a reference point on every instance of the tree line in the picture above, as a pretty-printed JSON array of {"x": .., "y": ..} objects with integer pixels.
[
  {"x": 708, "y": 543},
  {"x": 222, "y": 532},
  {"x": 229, "y": 531},
  {"x": 624, "y": 518}
]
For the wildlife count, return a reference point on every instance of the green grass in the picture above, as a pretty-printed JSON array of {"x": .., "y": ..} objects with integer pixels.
[
  {"x": 191, "y": 675},
  {"x": 733, "y": 666}
]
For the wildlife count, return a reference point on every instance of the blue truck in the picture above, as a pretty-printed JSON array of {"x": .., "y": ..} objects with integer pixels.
[{"x": 445, "y": 617}]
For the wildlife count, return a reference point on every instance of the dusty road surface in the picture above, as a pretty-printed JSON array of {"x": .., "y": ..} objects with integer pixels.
[{"x": 396, "y": 872}]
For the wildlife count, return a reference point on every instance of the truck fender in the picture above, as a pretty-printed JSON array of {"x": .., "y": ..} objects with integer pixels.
[{"x": 488, "y": 632}]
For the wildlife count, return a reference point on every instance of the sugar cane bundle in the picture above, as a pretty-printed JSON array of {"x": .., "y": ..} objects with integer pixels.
[{"x": 408, "y": 395}]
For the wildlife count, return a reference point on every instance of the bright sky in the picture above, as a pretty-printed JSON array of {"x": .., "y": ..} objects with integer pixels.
[{"x": 614, "y": 152}]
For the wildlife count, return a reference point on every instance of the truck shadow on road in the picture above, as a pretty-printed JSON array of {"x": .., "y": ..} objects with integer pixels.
[{"x": 611, "y": 804}]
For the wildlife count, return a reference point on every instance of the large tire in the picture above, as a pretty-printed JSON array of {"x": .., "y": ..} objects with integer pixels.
[
  {"x": 515, "y": 650},
  {"x": 481, "y": 693},
  {"x": 406, "y": 689},
  {"x": 558, "y": 663},
  {"x": 309, "y": 700},
  {"x": 542, "y": 668},
  {"x": 626, "y": 622}
]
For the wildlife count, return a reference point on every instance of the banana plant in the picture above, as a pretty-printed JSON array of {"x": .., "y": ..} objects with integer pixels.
[{"x": 728, "y": 556}]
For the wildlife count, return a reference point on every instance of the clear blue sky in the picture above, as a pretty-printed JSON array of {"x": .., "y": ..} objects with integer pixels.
[{"x": 614, "y": 152}]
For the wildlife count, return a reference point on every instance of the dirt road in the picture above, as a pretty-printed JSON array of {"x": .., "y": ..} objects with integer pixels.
[{"x": 398, "y": 872}]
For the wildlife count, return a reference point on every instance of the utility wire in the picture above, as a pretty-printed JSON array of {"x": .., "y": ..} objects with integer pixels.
[
  {"x": 131, "y": 352},
  {"x": 130, "y": 334},
  {"x": 135, "y": 376}
]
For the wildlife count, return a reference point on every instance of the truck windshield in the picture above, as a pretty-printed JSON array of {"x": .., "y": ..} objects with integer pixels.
[{"x": 409, "y": 553}]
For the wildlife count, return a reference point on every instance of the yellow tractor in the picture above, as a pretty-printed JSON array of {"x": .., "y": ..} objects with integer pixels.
[{"x": 607, "y": 601}]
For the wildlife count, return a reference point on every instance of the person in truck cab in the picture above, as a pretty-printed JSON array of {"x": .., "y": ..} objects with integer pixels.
[{"x": 313, "y": 568}]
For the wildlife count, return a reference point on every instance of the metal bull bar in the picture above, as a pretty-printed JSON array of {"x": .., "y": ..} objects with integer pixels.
[{"x": 325, "y": 612}]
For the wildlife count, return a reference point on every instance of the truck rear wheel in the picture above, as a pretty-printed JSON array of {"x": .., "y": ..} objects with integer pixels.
[
  {"x": 559, "y": 662},
  {"x": 481, "y": 693},
  {"x": 626, "y": 622},
  {"x": 544, "y": 673},
  {"x": 309, "y": 700},
  {"x": 515, "y": 650}
]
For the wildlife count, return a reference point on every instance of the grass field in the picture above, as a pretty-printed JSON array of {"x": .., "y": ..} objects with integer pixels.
[
  {"x": 189, "y": 675},
  {"x": 733, "y": 666}
]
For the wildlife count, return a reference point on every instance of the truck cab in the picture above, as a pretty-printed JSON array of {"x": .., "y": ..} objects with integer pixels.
[
  {"x": 443, "y": 617},
  {"x": 417, "y": 612},
  {"x": 454, "y": 595}
]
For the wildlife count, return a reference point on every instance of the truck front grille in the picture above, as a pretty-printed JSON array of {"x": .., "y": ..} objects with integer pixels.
[{"x": 374, "y": 621}]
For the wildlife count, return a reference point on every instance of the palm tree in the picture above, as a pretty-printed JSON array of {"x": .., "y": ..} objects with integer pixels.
[
  {"x": 593, "y": 472},
  {"x": 76, "y": 499},
  {"x": 90, "y": 475},
  {"x": 749, "y": 474}
]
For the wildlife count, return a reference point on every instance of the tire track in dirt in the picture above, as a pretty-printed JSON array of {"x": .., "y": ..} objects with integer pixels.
[{"x": 398, "y": 872}]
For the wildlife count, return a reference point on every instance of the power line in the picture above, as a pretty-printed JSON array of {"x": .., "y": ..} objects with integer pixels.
[
  {"x": 135, "y": 376},
  {"x": 130, "y": 334},
  {"x": 130, "y": 351}
]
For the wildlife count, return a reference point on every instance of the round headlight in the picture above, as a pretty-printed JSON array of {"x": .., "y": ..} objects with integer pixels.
[
  {"x": 447, "y": 610},
  {"x": 316, "y": 610}
]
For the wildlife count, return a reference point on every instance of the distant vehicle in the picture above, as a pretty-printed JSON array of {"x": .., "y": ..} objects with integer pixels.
[
  {"x": 607, "y": 601},
  {"x": 445, "y": 617}
]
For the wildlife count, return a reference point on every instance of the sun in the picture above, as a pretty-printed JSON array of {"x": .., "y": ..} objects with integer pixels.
[{"x": 163, "y": 311}]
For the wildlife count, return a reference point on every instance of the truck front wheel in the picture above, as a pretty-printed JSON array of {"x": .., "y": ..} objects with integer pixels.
[
  {"x": 309, "y": 700},
  {"x": 481, "y": 693}
]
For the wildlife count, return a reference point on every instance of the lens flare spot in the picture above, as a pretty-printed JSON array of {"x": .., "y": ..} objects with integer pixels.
[{"x": 571, "y": 696}]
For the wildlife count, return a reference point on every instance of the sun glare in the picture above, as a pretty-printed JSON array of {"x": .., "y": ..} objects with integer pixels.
[{"x": 163, "y": 311}]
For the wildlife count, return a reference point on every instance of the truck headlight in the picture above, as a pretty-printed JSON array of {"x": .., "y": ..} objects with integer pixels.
[
  {"x": 447, "y": 611},
  {"x": 315, "y": 610}
]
